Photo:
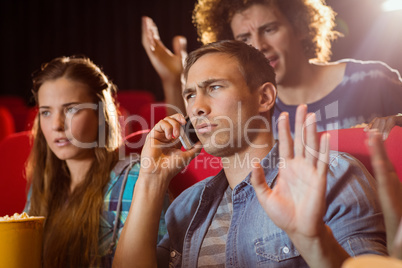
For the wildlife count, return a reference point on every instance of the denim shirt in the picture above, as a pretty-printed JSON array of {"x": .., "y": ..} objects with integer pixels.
[{"x": 353, "y": 214}]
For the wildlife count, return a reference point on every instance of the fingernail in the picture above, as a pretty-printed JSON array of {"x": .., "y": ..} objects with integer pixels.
[{"x": 283, "y": 115}]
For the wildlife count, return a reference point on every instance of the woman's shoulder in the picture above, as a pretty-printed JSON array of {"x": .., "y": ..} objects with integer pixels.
[
  {"x": 123, "y": 178},
  {"x": 122, "y": 165}
]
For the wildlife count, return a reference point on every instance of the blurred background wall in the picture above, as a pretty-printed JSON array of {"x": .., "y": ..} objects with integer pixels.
[{"x": 109, "y": 32}]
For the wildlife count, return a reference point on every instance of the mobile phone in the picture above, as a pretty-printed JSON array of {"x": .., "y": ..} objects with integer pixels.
[{"x": 188, "y": 136}]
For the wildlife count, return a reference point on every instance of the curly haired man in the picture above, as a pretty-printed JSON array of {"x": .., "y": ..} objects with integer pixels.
[{"x": 295, "y": 35}]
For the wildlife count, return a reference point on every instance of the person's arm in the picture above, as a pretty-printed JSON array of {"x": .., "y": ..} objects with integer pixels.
[
  {"x": 389, "y": 191},
  {"x": 385, "y": 124},
  {"x": 161, "y": 159},
  {"x": 297, "y": 202},
  {"x": 169, "y": 66}
]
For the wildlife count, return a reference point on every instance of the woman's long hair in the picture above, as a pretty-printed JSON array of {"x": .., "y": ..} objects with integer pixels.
[{"x": 71, "y": 231}]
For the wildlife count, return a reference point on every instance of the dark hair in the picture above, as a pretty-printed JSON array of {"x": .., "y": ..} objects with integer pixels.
[
  {"x": 311, "y": 18},
  {"x": 252, "y": 63},
  {"x": 72, "y": 228}
]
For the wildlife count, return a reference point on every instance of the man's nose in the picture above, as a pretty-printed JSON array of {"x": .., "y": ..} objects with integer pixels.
[
  {"x": 200, "y": 106},
  {"x": 260, "y": 43}
]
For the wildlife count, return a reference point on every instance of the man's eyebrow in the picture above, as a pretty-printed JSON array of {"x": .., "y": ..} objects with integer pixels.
[
  {"x": 267, "y": 25},
  {"x": 242, "y": 35},
  {"x": 207, "y": 82},
  {"x": 202, "y": 84},
  {"x": 260, "y": 28},
  {"x": 187, "y": 91}
]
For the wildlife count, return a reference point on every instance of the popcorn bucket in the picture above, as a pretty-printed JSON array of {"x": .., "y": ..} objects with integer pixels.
[{"x": 21, "y": 242}]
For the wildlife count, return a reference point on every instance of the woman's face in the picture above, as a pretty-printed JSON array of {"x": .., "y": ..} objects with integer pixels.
[{"x": 68, "y": 118}]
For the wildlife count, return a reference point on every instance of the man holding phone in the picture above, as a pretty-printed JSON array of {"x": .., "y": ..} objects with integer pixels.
[
  {"x": 188, "y": 136},
  {"x": 280, "y": 204}
]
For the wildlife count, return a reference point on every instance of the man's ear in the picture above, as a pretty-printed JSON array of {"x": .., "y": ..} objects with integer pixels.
[{"x": 267, "y": 93}]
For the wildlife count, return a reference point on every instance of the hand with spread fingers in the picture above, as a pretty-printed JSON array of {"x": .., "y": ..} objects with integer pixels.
[
  {"x": 389, "y": 191},
  {"x": 384, "y": 125},
  {"x": 168, "y": 65},
  {"x": 296, "y": 203}
]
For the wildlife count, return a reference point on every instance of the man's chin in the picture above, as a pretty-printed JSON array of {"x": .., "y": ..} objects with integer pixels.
[{"x": 219, "y": 151}]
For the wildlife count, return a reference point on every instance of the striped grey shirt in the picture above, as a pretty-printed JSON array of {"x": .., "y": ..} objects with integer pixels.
[{"x": 212, "y": 253}]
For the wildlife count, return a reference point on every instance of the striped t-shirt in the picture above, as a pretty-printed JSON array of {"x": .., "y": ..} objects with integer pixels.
[{"x": 212, "y": 253}]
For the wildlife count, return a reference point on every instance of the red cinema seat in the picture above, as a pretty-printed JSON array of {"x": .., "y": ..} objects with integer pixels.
[
  {"x": 7, "y": 125},
  {"x": 153, "y": 113},
  {"x": 133, "y": 143},
  {"x": 14, "y": 151},
  {"x": 123, "y": 115},
  {"x": 133, "y": 101},
  {"x": 17, "y": 107},
  {"x": 352, "y": 141},
  {"x": 30, "y": 118}
]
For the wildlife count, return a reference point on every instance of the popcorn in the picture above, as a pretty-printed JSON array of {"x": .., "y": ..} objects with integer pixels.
[
  {"x": 359, "y": 125},
  {"x": 16, "y": 216}
]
